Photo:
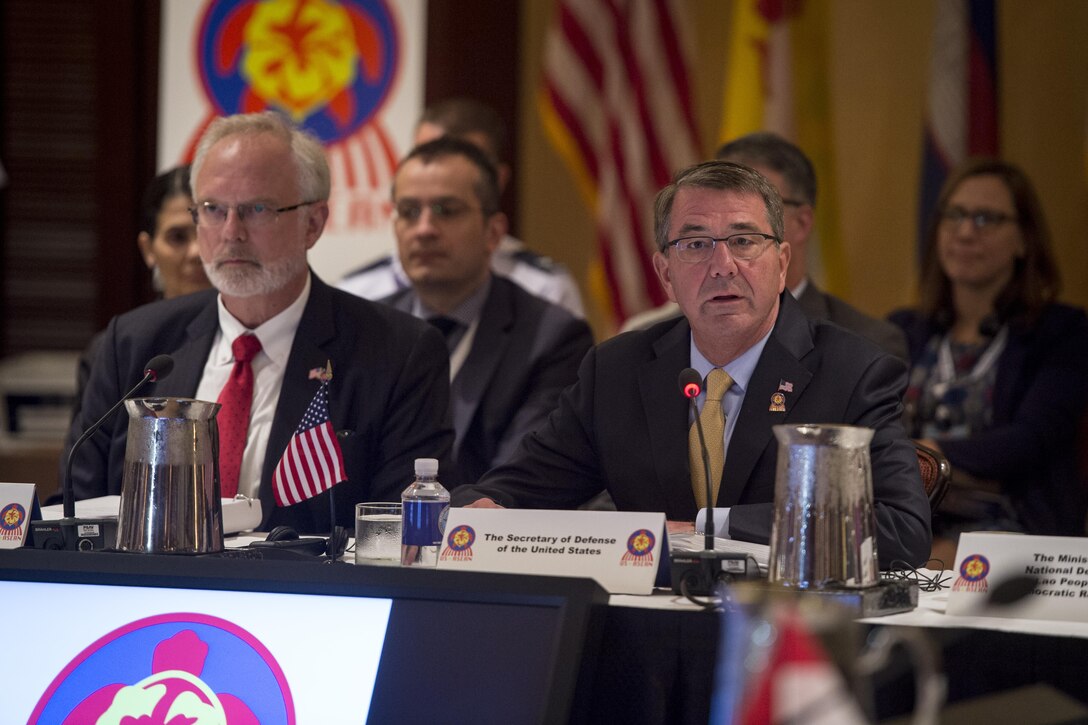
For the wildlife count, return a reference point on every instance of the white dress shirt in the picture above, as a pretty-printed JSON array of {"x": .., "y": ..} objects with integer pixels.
[
  {"x": 740, "y": 370},
  {"x": 277, "y": 336}
]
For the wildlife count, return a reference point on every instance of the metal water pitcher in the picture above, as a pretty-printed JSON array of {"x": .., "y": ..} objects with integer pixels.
[
  {"x": 170, "y": 491},
  {"x": 824, "y": 530}
]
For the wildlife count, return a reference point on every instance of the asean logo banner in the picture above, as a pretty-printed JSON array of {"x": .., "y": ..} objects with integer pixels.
[{"x": 348, "y": 71}]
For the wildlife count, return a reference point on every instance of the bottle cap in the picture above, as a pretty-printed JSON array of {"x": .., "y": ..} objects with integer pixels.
[{"x": 426, "y": 466}]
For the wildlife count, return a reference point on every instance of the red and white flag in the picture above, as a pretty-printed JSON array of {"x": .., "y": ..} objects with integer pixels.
[
  {"x": 617, "y": 104},
  {"x": 312, "y": 462}
]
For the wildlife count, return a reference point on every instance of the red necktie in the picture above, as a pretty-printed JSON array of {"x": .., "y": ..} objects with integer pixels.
[{"x": 236, "y": 399}]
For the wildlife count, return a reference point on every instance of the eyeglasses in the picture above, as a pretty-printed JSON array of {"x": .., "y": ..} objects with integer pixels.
[
  {"x": 253, "y": 214},
  {"x": 441, "y": 211},
  {"x": 745, "y": 246},
  {"x": 981, "y": 219}
]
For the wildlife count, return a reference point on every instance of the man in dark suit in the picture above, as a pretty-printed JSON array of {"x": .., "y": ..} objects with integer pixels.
[
  {"x": 624, "y": 426},
  {"x": 261, "y": 189},
  {"x": 791, "y": 172},
  {"x": 511, "y": 353},
  {"x": 470, "y": 120}
]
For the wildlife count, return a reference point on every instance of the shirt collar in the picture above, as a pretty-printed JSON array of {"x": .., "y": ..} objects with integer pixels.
[
  {"x": 465, "y": 313},
  {"x": 740, "y": 369},
  {"x": 800, "y": 288},
  {"x": 277, "y": 335}
]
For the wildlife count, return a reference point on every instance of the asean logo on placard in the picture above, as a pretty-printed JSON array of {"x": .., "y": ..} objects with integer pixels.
[
  {"x": 459, "y": 543},
  {"x": 329, "y": 65},
  {"x": 12, "y": 521},
  {"x": 972, "y": 574},
  {"x": 171, "y": 668},
  {"x": 640, "y": 549}
]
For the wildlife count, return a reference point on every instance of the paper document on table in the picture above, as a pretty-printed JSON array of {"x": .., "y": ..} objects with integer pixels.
[
  {"x": 696, "y": 542},
  {"x": 239, "y": 514}
]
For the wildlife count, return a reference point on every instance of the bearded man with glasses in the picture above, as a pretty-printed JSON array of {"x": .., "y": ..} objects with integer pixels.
[
  {"x": 624, "y": 426},
  {"x": 261, "y": 190}
]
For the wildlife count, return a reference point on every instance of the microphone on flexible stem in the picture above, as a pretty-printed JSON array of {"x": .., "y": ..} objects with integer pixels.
[
  {"x": 691, "y": 385},
  {"x": 697, "y": 573},
  {"x": 156, "y": 369}
]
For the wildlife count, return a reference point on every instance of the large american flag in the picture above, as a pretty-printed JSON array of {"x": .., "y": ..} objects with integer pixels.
[
  {"x": 961, "y": 104},
  {"x": 617, "y": 103},
  {"x": 312, "y": 462}
]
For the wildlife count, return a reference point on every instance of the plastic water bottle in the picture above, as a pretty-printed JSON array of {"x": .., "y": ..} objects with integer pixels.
[{"x": 426, "y": 504}]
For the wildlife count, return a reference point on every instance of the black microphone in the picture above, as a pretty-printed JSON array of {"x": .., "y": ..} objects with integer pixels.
[
  {"x": 691, "y": 384},
  {"x": 156, "y": 369},
  {"x": 697, "y": 573}
]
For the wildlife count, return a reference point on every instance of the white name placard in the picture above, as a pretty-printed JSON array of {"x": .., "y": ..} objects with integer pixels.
[
  {"x": 620, "y": 550},
  {"x": 16, "y": 505},
  {"x": 1059, "y": 564}
]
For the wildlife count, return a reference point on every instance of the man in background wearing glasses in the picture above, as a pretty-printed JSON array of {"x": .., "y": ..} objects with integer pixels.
[
  {"x": 261, "y": 191},
  {"x": 511, "y": 352},
  {"x": 625, "y": 427},
  {"x": 791, "y": 172}
]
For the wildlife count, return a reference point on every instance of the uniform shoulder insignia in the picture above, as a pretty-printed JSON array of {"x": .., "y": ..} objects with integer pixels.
[
  {"x": 539, "y": 261},
  {"x": 371, "y": 266}
]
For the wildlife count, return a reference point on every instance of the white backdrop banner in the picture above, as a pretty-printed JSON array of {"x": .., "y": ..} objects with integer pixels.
[{"x": 349, "y": 71}]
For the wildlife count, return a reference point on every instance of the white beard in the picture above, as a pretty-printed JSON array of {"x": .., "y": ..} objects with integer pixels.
[{"x": 256, "y": 279}]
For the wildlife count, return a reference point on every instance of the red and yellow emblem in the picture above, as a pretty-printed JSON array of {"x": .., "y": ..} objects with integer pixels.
[
  {"x": 12, "y": 521},
  {"x": 972, "y": 575},
  {"x": 640, "y": 549},
  {"x": 459, "y": 543}
]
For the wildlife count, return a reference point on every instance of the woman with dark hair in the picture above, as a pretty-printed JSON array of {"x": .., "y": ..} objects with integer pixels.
[
  {"x": 167, "y": 238},
  {"x": 997, "y": 364}
]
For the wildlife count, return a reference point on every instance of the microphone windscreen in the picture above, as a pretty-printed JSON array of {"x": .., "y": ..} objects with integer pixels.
[
  {"x": 159, "y": 366},
  {"x": 691, "y": 383}
]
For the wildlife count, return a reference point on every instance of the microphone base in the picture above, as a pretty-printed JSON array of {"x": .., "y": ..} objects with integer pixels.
[
  {"x": 698, "y": 573},
  {"x": 888, "y": 596},
  {"x": 74, "y": 534}
]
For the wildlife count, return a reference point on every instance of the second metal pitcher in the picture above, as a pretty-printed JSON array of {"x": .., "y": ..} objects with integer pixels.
[{"x": 824, "y": 530}]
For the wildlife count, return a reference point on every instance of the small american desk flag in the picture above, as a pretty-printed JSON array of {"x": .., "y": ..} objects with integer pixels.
[{"x": 312, "y": 462}]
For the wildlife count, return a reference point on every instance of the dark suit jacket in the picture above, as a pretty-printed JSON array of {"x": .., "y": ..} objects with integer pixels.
[
  {"x": 820, "y": 305},
  {"x": 624, "y": 427},
  {"x": 388, "y": 395},
  {"x": 525, "y": 352},
  {"x": 1039, "y": 402}
]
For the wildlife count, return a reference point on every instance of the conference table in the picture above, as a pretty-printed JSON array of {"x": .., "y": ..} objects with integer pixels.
[
  {"x": 652, "y": 659},
  {"x": 658, "y": 655}
]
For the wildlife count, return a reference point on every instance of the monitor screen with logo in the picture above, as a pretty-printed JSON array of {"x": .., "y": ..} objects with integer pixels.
[{"x": 121, "y": 635}]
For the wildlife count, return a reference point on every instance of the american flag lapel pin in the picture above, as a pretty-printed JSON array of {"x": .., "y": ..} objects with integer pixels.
[
  {"x": 778, "y": 399},
  {"x": 323, "y": 374}
]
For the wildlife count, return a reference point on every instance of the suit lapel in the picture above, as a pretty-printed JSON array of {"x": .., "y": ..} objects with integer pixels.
[
  {"x": 191, "y": 357},
  {"x": 666, "y": 415},
  {"x": 315, "y": 329},
  {"x": 400, "y": 300},
  {"x": 488, "y": 348},
  {"x": 779, "y": 366}
]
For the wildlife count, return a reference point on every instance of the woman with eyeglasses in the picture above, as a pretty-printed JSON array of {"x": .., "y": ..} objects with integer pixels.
[{"x": 998, "y": 380}]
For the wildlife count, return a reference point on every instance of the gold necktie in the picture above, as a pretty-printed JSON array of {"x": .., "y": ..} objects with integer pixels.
[{"x": 713, "y": 419}]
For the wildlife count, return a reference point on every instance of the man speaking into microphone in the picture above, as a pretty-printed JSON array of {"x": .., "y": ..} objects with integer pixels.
[
  {"x": 268, "y": 339},
  {"x": 625, "y": 426}
]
